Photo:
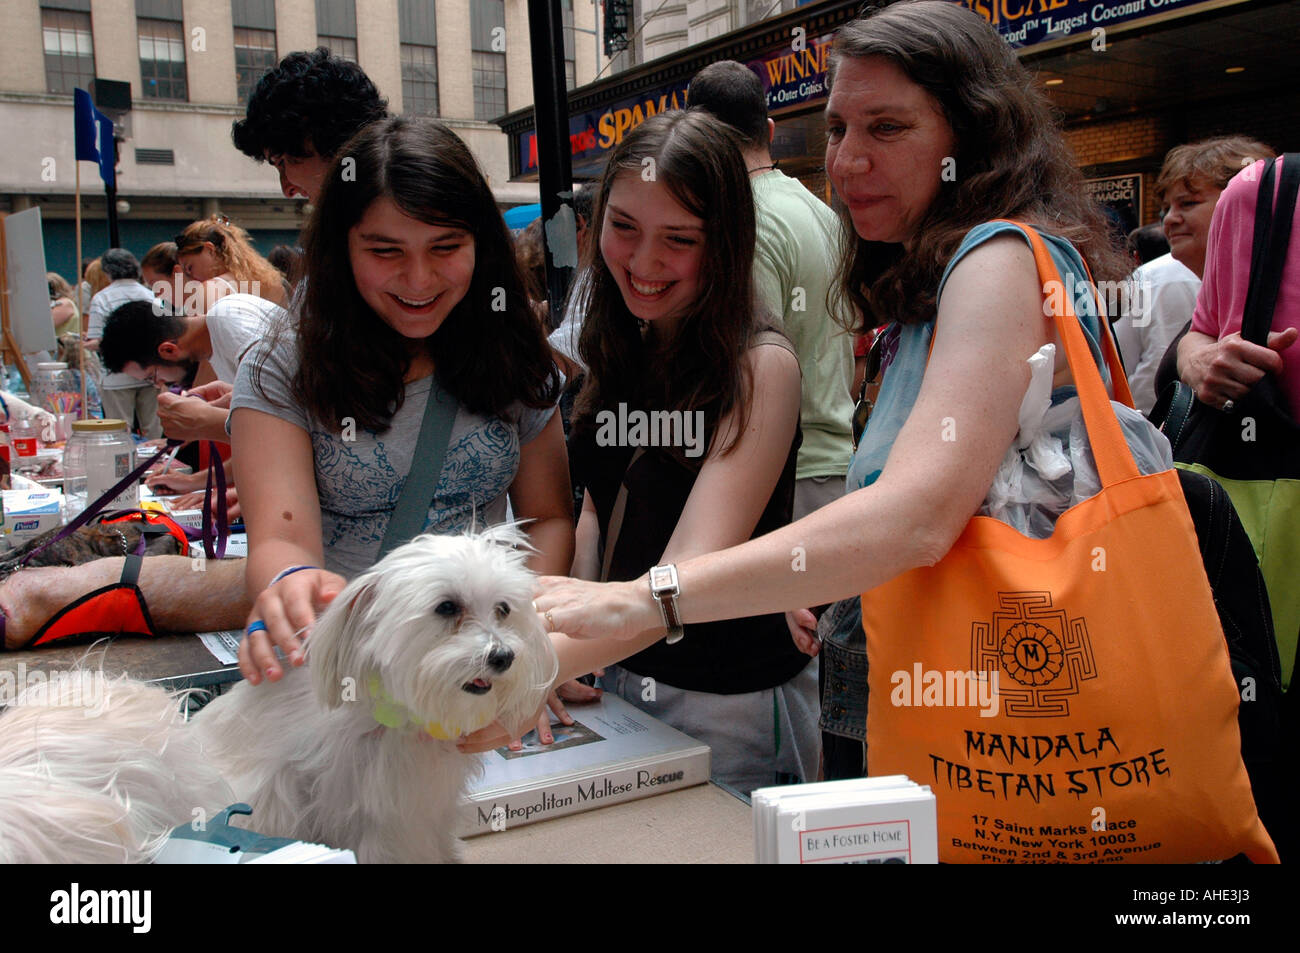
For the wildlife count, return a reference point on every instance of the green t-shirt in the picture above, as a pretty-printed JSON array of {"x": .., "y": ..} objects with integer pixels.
[{"x": 795, "y": 258}]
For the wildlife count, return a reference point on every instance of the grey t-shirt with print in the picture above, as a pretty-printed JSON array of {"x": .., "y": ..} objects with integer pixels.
[{"x": 359, "y": 480}]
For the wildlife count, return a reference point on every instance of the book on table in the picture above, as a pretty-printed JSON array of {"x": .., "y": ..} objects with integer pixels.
[
  {"x": 883, "y": 820},
  {"x": 614, "y": 752}
]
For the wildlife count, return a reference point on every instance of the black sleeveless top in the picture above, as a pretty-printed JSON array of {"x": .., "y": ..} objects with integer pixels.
[{"x": 728, "y": 657}]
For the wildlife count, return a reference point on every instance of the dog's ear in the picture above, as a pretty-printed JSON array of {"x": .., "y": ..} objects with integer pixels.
[{"x": 334, "y": 646}]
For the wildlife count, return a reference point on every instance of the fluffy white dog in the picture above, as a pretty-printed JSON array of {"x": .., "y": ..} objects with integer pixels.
[{"x": 357, "y": 749}]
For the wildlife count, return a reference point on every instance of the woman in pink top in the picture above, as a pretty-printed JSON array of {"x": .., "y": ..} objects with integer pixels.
[{"x": 1213, "y": 359}]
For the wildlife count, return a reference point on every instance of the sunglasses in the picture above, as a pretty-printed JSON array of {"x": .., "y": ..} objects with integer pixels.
[
  {"x": 870, "y": 388},
  {"x": 184, "y": 244}
]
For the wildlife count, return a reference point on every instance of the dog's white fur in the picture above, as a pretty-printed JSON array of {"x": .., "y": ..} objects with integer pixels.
[
  {"x": 101, "y": 785},
  {"x": 306, "y": 752}
]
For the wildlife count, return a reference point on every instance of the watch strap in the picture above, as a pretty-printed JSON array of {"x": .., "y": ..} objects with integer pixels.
[{"x": 667, "y": 599}]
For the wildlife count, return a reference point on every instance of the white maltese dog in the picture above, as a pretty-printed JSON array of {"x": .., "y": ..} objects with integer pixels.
[{"x": 356, "y": 749}]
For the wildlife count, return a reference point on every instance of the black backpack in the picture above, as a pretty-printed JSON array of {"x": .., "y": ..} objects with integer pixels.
[{"x": 1242, "y": 602}]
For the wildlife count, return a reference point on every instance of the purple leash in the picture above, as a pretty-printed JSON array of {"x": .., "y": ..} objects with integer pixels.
[{"x": 212, "y": 548}]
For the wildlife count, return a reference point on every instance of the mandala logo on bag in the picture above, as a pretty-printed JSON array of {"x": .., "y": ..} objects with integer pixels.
[{"x": 1043, "y": 654}]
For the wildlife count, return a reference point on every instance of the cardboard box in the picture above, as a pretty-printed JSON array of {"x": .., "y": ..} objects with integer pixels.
[{"x": 29, "y": 513}]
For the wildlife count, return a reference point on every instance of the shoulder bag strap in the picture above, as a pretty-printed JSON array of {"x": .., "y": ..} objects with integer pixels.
[
  {"x": 616, "y": 517},
  {"x": 1173, "y": 411},
  {"x": 412, "y": 509},
  {"x": 1268, "y": 250},
  {"x": 1111, "y": 451}
]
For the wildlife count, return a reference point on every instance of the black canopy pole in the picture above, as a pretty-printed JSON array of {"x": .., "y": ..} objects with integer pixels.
[
  {"x": 110, "y": 198},
  {"x": 551, "y": 111}
]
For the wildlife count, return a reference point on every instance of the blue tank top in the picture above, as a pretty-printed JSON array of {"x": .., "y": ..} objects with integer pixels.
[{"x": 904, "y": 371}]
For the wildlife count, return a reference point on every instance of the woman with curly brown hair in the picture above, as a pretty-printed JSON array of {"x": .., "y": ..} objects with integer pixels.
[
  {"x": 934, "y": 132},
  {"x": 219, "y": 259}
]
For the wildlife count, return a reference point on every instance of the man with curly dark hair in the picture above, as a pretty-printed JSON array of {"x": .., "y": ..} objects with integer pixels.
[{"x": 302, "y": 112}]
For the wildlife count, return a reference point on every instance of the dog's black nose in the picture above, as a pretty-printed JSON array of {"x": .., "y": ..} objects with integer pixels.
[{"x": 500, "y": 659}]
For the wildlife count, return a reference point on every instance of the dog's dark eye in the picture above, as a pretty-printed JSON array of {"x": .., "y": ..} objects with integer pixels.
[
  {"x": 447, "y": 607},
  {"x": 503, "y": 610}
]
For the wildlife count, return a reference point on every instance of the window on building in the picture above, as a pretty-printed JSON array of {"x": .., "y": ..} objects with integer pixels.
[
  {"x": 344, "y": 47},
  {"x": 487, "y": 29},
  {"x": 336, "y": 27},
  {"x": 419, "y": 80},
  {"x": 570, "y": 63},
  {"x": 254, "y": 55},
  {"x": 69, "y": 50},
  {"x": 419, "y": 38},
  {"x": 752, "y": 11},
  {"x": 489, "y": 85},
  {"x": 162, "y": 59},
  {"x": 254, "y": 23}
]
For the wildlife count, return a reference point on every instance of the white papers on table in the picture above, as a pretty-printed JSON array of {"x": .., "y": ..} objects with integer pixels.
[
  {"x": 223, "y": 645},
  {"x": 884, "y": 820}
]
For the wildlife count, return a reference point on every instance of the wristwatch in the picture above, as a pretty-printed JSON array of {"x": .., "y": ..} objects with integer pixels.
[{"x": 665, "y": 590}]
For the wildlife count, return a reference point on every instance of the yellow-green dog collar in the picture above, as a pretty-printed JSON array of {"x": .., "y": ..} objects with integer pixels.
[{"x": 392, "y": 714}]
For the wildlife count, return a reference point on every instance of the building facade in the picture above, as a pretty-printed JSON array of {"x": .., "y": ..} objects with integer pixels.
[
  {"x": 190, "y": 66},
  {"x": 1130, "y": 78}
]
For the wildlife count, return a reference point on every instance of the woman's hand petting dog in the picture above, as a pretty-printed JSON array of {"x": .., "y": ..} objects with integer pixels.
[{"x": 288, "y": 610}]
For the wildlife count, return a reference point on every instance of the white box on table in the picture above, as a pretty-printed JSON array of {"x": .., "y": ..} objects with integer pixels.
[{"x": 28, "y": 513}]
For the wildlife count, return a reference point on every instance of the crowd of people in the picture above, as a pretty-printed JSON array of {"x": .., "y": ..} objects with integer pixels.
[{"x": 715, "y": 290}]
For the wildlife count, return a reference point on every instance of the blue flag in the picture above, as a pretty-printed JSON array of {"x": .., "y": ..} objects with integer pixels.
[{"x": 94, "y": 136}]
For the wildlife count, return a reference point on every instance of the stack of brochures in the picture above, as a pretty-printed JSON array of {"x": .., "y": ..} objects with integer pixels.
[
  {"x": 884, "y": 820},
  {"x": 614, "y": 752}
]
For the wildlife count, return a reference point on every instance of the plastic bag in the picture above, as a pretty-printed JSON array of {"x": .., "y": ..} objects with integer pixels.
[
  {"x": 1049, "y": 468},
  {"x": 43, "y": 420}
]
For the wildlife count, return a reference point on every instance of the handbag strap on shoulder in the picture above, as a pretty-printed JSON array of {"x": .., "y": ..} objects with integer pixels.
[
  {"x": 1115, "y": 461},
  {"x": 1272, "y": 236}
]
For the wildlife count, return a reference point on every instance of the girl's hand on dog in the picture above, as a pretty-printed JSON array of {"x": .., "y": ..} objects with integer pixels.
[{"x": 288, "y": 610}]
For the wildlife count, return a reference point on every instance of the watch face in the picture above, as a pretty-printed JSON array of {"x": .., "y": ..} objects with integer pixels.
[{"x": 663, "y": 577}]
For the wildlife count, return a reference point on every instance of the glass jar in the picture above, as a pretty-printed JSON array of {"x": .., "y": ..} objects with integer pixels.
[
  {"x": 99, "y": 454},
  {"x": 54, "y": 388}
]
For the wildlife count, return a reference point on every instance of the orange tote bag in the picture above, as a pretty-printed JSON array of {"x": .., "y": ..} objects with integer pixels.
[{"x": 1069, "y": 699}]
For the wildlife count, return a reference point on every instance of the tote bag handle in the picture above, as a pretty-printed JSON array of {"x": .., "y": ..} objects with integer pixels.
[{"x": 1115, "y": 461}]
